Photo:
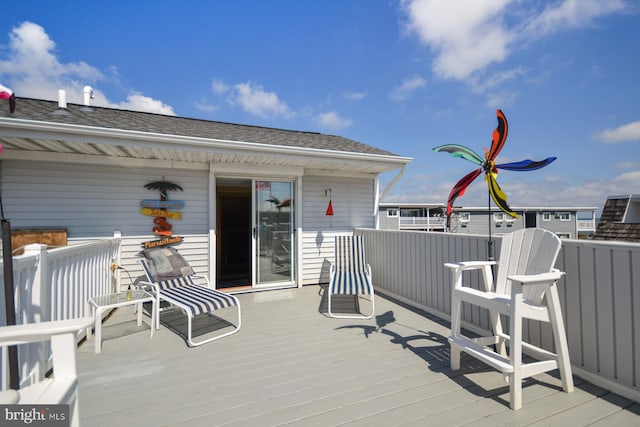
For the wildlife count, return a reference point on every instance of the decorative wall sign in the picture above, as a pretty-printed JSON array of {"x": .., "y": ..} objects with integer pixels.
[
  {"x": 167, "y": 204},
  {"x": 163, "y": 242},
  {"x": 161, "y": 213},
  {"x": 158, "y": 210}
]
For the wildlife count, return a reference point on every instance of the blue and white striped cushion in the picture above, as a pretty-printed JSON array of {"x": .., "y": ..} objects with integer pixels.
[
  {"x": 198, "y": 299},
  {"x": 351, "y": 283},
  {"x": 350, "y": 277}
]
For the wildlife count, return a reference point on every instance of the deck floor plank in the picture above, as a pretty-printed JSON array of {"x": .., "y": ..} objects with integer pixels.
[{"x": 290, "y": 364}]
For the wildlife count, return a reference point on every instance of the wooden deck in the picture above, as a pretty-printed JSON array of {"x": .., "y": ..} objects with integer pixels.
[{"x": 290, "y": 364}]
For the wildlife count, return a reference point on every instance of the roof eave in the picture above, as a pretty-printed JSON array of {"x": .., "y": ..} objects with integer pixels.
[{"x": 100, "y": 135}]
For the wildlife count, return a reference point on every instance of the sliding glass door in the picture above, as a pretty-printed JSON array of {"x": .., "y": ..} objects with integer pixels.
[{"x": 273, "y": 230}]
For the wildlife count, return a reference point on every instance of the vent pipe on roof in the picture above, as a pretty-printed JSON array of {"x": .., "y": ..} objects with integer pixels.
[
  {"x": 62, "y": 98},
  {"x": 88, "y": 95}
]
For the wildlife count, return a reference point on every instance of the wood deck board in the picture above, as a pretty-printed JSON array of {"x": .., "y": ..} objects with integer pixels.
[{"x": 291, "y": 364}]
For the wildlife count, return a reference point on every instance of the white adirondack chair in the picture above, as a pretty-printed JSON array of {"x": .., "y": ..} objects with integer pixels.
[
  {"x": 62, "y": 387},
  {"x": 525, "y": 288}
]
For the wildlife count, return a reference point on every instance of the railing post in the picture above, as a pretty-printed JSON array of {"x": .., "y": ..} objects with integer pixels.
[
  {"x": 40, "y": 292},
  {"x": 39, "y": 309}
]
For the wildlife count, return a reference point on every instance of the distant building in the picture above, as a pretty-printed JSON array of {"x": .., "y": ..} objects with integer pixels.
[
  {"x": 566, "y": 222},
  {"x": 620, "y": 219},
  {"x": 411, "y": 216}
]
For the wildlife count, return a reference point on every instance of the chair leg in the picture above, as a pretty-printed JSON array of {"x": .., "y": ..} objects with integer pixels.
[
  {"x": 364, "y": 316},
  {"x": 560, "y": 338},
  {"x": 455, "y": 331},
  {"x": 496, "y": 325},
  {"x": 515, "y": 350}
]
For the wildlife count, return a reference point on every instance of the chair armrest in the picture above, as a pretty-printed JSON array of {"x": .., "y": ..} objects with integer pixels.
[
  {"x": 459, "y": 267},
  {"x": 468, "y": 265},
  {"x": 535, "y": 279},
  {"x": 35, "y": 332},
  {"x": 198, "y": 276},
  {"x": 153, "y": 287}
]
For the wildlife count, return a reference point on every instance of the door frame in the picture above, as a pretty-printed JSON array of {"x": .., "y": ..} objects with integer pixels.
[
  {"x": 256, "y": 250},
  {"x": 221, "y": 171}
]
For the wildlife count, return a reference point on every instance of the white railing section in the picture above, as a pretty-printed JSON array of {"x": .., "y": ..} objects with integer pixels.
[
  {"x": 56, "y": 284},
  {"x": 421, "y": 222},
  {"x": 586, "y": 225},
  {"x": 600, "y": 295}
]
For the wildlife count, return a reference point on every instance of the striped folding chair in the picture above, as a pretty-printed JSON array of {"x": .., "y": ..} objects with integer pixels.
[
  {"x": 350, "y": 275},
  {"x": 171, "y": 279}
]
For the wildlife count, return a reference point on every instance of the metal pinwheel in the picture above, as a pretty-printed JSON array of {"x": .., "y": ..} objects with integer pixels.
[{"x": 487, "y": 164}]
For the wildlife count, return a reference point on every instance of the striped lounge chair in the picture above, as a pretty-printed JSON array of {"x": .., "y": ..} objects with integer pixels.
[
  {"x": 171, "y": 279},
  {"x": 350, "y": 275}
]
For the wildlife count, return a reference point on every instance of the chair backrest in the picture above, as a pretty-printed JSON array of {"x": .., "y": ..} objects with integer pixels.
[
  {"x": 349, "y": 253},
  {"x": 527, "y": 251}
]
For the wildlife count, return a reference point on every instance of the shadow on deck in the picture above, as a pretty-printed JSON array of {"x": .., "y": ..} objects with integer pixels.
[{"x": 292, "y": 364}]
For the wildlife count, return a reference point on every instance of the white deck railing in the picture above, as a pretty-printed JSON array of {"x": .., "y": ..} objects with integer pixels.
[
  {"x": 56, "y": 284},
  {"x": 600, "y": 295},
  {"x": 586, "y": 225},
  {"x": 422, "y": 222}
]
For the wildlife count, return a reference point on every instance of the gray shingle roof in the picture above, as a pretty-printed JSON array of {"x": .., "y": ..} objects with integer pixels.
[{"x": 48, "y": 111}]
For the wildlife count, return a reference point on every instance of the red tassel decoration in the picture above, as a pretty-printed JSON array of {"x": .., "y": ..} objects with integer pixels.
[{"x": 329, "y": 211}]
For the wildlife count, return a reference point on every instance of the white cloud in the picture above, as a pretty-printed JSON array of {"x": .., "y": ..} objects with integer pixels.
[
  {"x": 550, "y": 190},
  {"x": 203, "y": 105},
  {"x": 569, "y": 14},
  {"x": 219, "y": 87},
  {"x": 467, "y": 36},
  {"x": 32, "y": 70},
  {"x": 253, "y": 99},
  {"x": 139, "y": 102},
  {"x": 406, "y": 89},
  {"x": 355, "y": 96},
  {"x": 332, "y": 120},
  {"x": 628, "y": 132},
  {"x": 628, "y": 164}
]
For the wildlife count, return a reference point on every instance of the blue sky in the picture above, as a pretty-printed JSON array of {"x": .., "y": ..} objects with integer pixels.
[{"x": 405, "y": 76}]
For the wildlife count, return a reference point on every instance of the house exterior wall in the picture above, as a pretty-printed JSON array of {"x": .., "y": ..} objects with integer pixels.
[
  {"x": 352, "y": 200},
  {"x": 93, "y": 201},
  {"x": 386, "y": 222},
  {"x": 478, "y": 222},
  {"x": 557, "y": 224}
]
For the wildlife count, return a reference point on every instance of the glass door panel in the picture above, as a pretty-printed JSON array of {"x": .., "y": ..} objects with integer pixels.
[{"x": 273, "y": 232}]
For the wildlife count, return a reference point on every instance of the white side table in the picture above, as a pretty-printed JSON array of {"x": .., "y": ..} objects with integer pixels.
[{"x": 120, "y": 299}]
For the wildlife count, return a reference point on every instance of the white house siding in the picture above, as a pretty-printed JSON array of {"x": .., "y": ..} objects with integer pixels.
[
  {"x": 479, "y": 223},
  {"x": 560, "y": 227},
  {"x": 386, "y": 222},
  {"x": 352, "y": 200},
  {"x": 93, "y": 201}
]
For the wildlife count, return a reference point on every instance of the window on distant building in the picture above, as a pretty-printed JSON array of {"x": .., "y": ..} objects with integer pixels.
[
  {"x": 498, "y": 217},
  {"x": 564, "y": 235},
  {"x": 392, "y": 212},
  {"x": 564, "y": 216},
  {"x": 546, "y": 216}
]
